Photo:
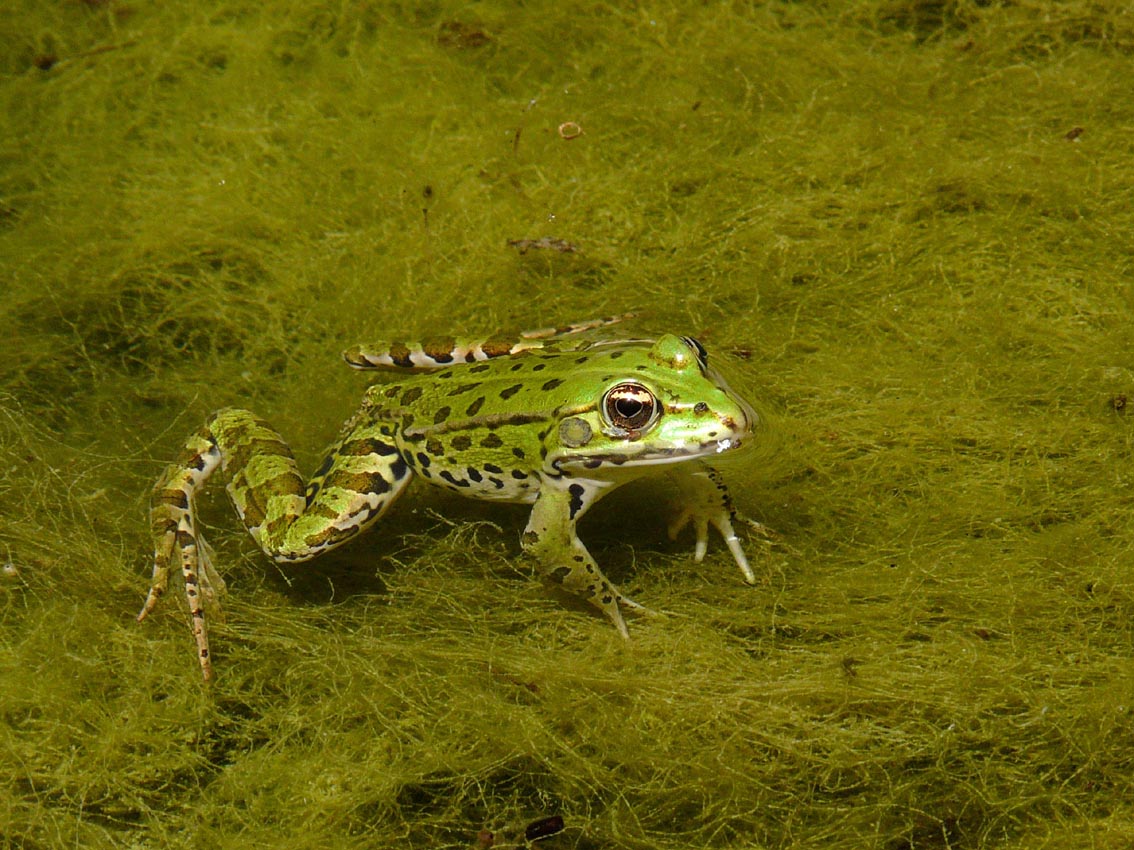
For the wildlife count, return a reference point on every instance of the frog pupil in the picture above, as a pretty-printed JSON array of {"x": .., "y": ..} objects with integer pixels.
[{"x": 628, "y": 407}]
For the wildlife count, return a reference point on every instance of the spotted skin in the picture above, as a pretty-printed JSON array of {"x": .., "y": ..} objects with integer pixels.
[{"x": 543, "y": 420}]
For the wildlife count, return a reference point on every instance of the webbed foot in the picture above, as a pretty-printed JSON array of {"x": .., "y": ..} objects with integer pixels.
[{"x": 706, "y": 502}]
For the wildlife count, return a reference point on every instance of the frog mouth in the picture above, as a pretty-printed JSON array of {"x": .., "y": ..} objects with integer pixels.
[
  {"x": 654, "y": 456},
  {"x": 677, "y": 453}
]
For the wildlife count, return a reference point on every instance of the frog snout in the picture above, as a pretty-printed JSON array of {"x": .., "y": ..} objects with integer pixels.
[{"x": 741, "y": 422}]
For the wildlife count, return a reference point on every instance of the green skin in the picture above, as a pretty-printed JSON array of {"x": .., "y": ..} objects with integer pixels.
[{"x": 535, "y": 421}]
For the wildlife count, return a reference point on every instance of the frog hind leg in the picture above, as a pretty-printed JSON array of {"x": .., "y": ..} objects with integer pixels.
[
  {"x": 442, "y": 353},
  {"x": 550, "y": 538},
  {"x": 561, "y": 331},
  {"x": 292, "y": 522}
]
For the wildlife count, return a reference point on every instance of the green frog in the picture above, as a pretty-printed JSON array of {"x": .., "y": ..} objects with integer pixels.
[{"x": 553, "y": 419}]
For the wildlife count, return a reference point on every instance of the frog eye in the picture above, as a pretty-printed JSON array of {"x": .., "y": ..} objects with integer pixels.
[
  {"x": 630, "y": 407},
  {"x": 702, "y": 355}
]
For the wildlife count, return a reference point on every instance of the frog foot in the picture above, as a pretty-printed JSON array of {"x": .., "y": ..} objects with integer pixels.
[
  {"x": 635, "y": 608},
  {"x": 705, "y": 502},
  {"x": 722, "y": 522},
  {"x": 611, "y": 602},
  {"x": 584, "y": 579},
  {"x": 203, "y": 584},
  {"x": 212, "y": 585}
]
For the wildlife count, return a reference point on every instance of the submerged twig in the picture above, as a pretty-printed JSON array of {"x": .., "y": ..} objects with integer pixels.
[
  {"x": 547, "y": 242},
  {"x": 47, "y": 61}
]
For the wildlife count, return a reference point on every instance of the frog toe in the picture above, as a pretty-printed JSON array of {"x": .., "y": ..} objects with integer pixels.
[
  {"x": 614, "y": 604},
  {"x": 684, "y": 517},
  {"x": 635, "y": 608},
  {"x": 620, "y": 624},
  {"x": 212, "y": 585}
]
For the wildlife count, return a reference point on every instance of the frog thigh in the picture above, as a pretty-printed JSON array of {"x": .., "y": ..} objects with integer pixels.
[
  {"x": 550, "y": 538},
  {"x": 359, "y": 479}
]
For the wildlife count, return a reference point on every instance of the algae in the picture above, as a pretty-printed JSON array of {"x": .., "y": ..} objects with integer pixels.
[{"x": 904, "y": 226}]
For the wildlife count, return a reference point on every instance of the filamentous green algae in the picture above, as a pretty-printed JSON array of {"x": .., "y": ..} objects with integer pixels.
[{"x": 903, "y": 228}]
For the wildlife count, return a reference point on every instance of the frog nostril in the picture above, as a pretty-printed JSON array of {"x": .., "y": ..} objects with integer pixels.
[{"x": 700, "y": 407}]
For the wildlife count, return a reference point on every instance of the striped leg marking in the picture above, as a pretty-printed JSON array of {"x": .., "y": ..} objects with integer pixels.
[
  {"x": 440, "y": 353},
  {"x": 292, "y": 522}
]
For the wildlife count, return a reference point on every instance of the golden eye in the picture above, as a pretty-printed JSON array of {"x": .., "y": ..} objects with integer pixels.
[{"x": 630, "y": 407}]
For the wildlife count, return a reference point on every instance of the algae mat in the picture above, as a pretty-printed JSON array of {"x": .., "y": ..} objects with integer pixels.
[{"x": 904, "y": 228}]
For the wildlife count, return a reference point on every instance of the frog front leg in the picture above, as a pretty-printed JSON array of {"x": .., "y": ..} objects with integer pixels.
[
  {"x": 550, "y": 538},
  {"x": 291, "y": 521},
  {"x": 705, "y": 502}
]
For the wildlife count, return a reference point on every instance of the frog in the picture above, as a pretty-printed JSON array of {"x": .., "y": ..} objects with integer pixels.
[{"x": 554, "y": 418}]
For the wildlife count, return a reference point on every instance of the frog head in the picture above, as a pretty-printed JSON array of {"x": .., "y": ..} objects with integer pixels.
[{"x": 650, "y": 404}]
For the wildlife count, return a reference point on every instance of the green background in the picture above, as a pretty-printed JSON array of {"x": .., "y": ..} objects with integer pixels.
[{"x": 905, "y": 229}]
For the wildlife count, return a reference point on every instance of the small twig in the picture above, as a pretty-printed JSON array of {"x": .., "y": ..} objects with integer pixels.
[
  {"x": 47, "y": 61},
  {"x": 546, "y": 242}
]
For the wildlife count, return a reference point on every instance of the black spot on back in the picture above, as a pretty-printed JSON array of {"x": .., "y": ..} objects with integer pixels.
[
  {"x": 461, "y": 389},
  {"x": 456, "y": 482}
]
